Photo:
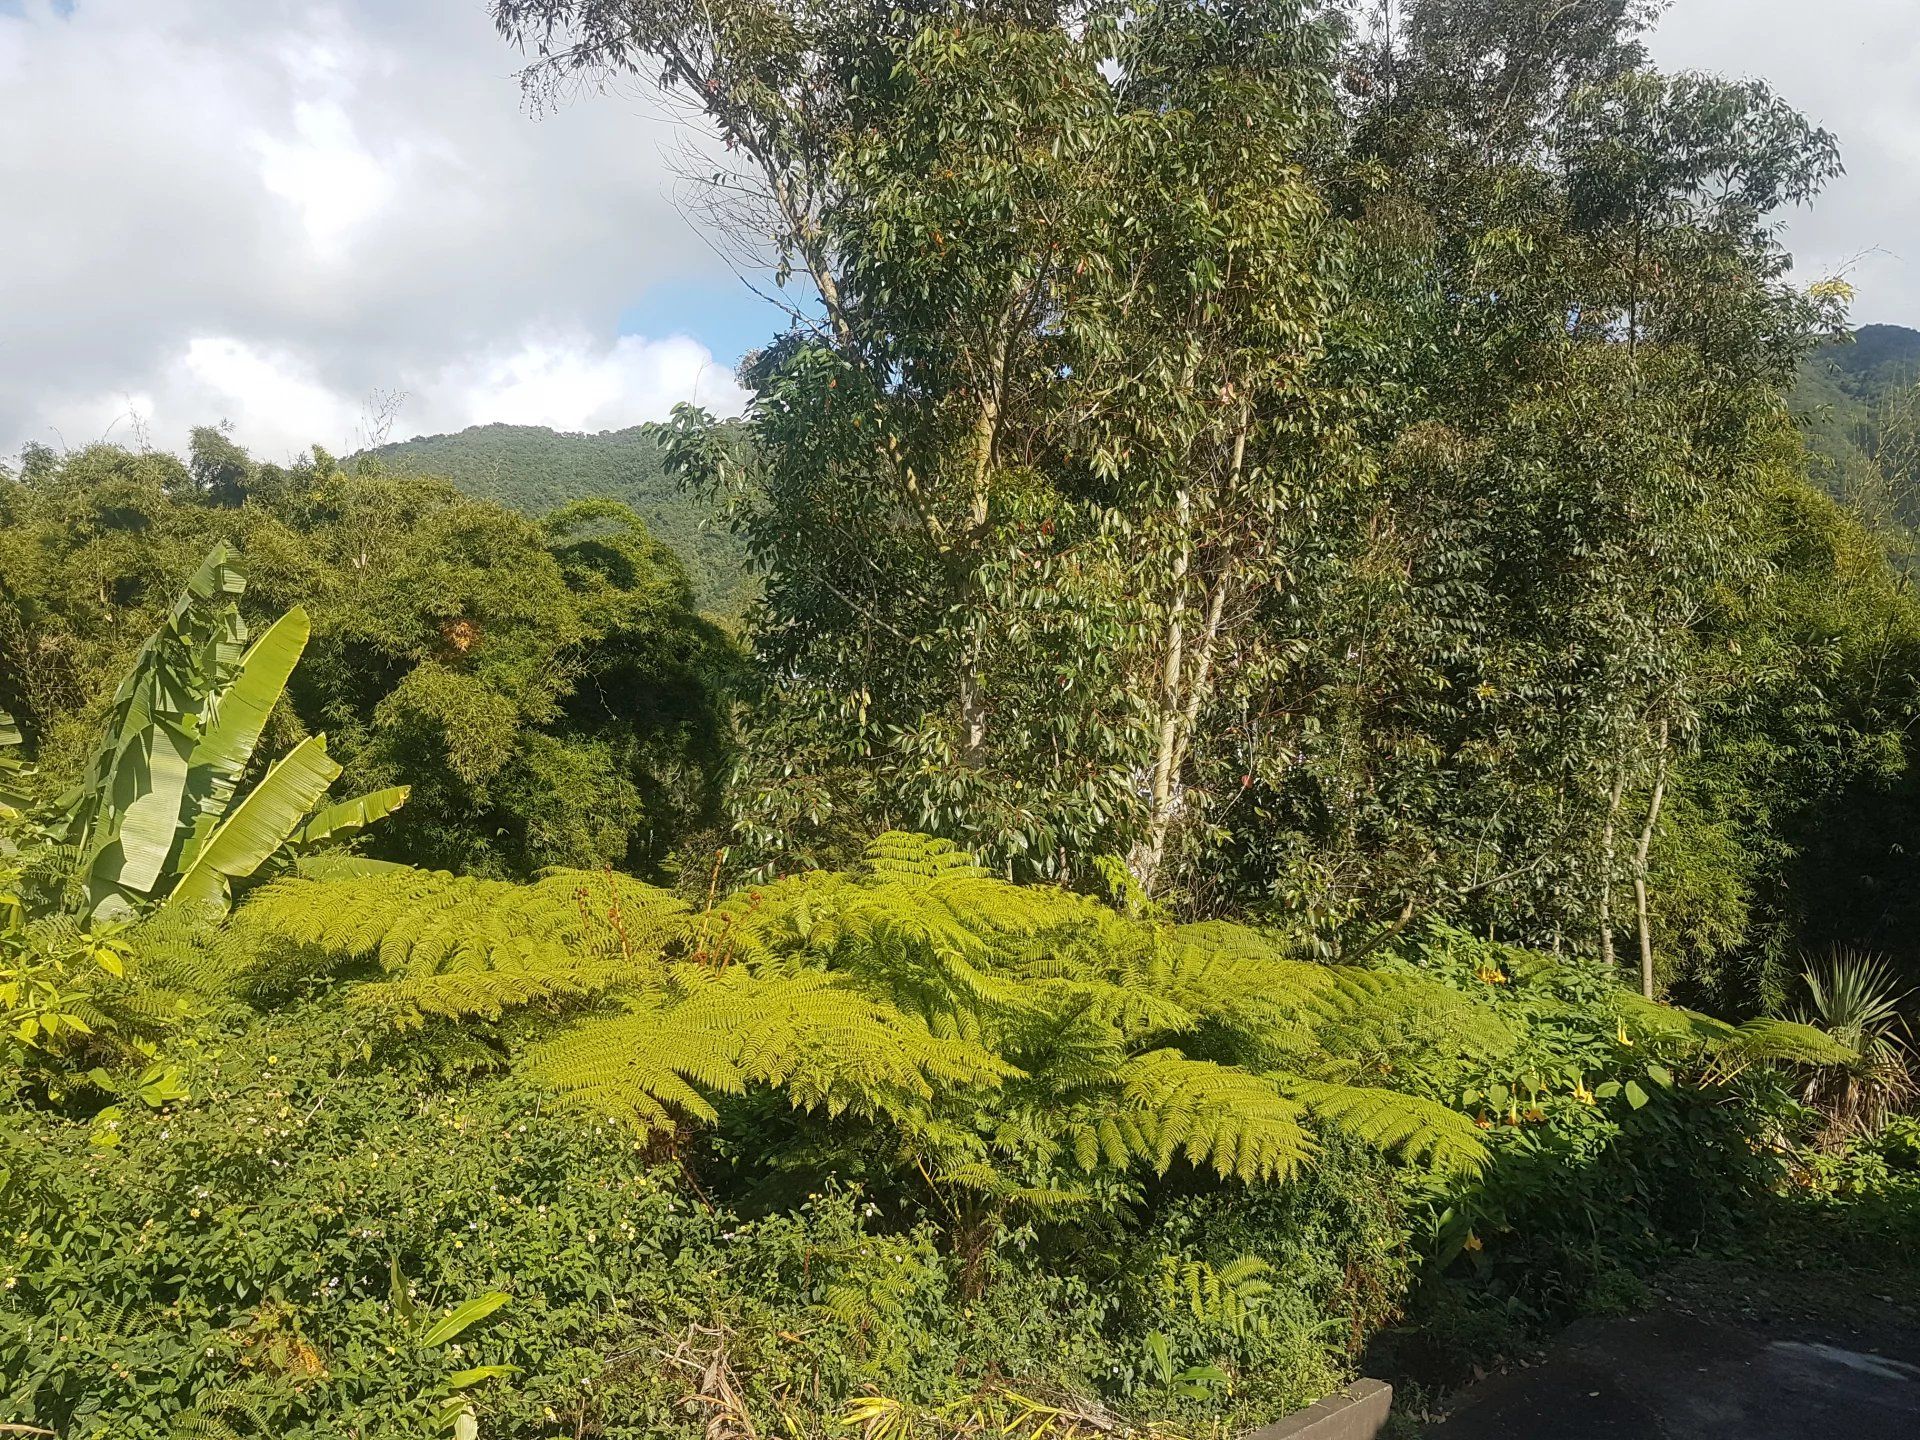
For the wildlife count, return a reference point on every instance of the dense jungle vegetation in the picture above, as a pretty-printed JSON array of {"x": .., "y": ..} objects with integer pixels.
[{"x": 1321, "y": 768}]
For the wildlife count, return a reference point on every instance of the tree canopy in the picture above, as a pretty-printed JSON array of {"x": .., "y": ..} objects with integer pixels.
[{"x": 545, "y": 687}]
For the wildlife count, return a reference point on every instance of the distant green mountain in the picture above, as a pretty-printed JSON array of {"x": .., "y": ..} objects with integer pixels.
[
  {"x": 532, "y": 469},
  {"x": 1859, "y": 401}
]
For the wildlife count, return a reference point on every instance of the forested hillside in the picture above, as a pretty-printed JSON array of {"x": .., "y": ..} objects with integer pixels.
[
  {"x": 1859, "y": 399},
  {"x": 535, "y": 470}
]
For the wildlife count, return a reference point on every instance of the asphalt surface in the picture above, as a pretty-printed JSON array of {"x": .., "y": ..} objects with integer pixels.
[{"x": 1676, "y": 1374}]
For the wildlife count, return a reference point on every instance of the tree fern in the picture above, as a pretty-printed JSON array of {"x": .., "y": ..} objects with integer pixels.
[
  {"x": 1239, "y": 1125},
  {"x": 813, "y": 1035},
  {"x": 1018, "y": 1032},
  {"x": 1411, "y": 1126},
  {"x": 1790, "y": 1041},
  {"x": 457, "y": 946}
]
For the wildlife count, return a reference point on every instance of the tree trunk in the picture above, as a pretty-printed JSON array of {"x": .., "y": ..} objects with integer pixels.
[
  {"x": 1607, "y": 851},
  {"x": 1160, "y": 805},
  {"x": 1181, "y": 693},
  {"x": 1640, "y": 867},
  {"x": 986, "y": 434}
]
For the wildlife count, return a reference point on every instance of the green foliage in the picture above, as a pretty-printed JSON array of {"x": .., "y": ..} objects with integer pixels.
[
  {"x": 1854, "y": 1003},
  {"x": 155, "y": 824},
  {"x": 544, "y": 689},
  {"x": 290, "y": 1227},
  {"x": 14, "y": 771},
  {"x": 993, "y": 1032},
  {"x": 282, "y": 1258},
  {"x": 155, "y": 814},
  {"x": 537, "y": 471}
]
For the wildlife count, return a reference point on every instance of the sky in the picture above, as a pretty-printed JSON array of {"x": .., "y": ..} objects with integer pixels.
[
  {"x": 1854, "y": 67},
  {"x": 279, "y": 213}
]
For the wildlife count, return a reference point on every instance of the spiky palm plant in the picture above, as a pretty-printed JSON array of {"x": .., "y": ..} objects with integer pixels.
[{"x": 1855, "y": 999}]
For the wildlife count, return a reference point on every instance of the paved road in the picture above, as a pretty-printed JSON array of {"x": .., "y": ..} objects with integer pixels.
[{"x": 1674, "y": 1375}]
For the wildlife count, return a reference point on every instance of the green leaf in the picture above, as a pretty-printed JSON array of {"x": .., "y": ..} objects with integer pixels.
[
  {"x": 151, "y": 819},
  {"x": 13, "y": 768},
  {"x": 259, "y": 824},
  {"x": 397, "y": 1294},
  {"x": 462, "y": 1378},
  {"x": 337, "y": 822},
  {"x": 469, "y": 1313},
  {"x": 236, "y": 716},
  {"x": 161, "y": 1084},
  {"x": 1636, "y": 1096}
]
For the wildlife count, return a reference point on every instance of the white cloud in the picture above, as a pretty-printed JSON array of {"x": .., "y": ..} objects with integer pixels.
[
  {"x": 278, "y": 404},
  {"x": 571, "y": 383},
  {"x": 1853, "y": 66},
  {"x": 267, "y": 210},
  {"x": 325, "y": 174}
]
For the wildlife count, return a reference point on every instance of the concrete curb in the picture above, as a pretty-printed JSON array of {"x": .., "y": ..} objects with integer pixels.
[{"x": 1358, "y": 1412}]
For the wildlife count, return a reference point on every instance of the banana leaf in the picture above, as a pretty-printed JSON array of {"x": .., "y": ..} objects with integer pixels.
[
  {"x": 349, "y": 817},
  {"x": 235, "y": 717},
  {"x": 13, "y": 766},
  {"x": 151, "y": 818},
  {"x": 259, "y": 825},
  {"x": 202, "y": 611}
]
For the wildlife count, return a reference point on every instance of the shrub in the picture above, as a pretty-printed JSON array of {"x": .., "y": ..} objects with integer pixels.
[{"x": 248, "y": 1260}]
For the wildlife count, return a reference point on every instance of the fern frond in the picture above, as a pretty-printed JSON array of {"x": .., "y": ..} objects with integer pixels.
[
  {"x": 1650, "y": 1020},
  {"x": 1237, "y": 1123},
  {"x": 812, "y": 1035},
  {"x": 1420, "y": 1130},
  {"x": 901, "y": 853},
  {"x": 1228, "y": 1296},
  {"x": 408, "y": 1002},
  {"x": 200, "y": 1425},
  {"x": 1787, "y": 1041},
  {"x": 460, "y": 946}
]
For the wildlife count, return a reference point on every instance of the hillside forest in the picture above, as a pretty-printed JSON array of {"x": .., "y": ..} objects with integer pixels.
[{"x": 1283, "y": 740}]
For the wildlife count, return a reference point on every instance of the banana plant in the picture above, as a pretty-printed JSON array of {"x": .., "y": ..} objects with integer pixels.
[
  {"x": 14, "y": 771},
  {"x": 156, "y": 816},
  {"x": 456, "y": 1414}
]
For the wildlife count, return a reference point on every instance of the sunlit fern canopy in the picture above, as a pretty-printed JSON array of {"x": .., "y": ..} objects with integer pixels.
[{"x": 1017, "y": 1040}]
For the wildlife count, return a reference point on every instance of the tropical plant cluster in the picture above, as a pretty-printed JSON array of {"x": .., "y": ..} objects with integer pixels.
[
  {"x": 546, "y": 689},
  {"x": 1309, "y": 696}
]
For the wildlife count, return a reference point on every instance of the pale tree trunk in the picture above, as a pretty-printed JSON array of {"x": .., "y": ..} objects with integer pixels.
[
  {"x": 1607, "y": 852},
  {"x": 986, "y": 428},
  {"x": 1185, "y": 679},
  {"x": 1170, "y": 677},
  {"x": 1640, "y": 867}
]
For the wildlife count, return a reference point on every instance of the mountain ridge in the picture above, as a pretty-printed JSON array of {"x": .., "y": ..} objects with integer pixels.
[{"x": 535, "y": 469}]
